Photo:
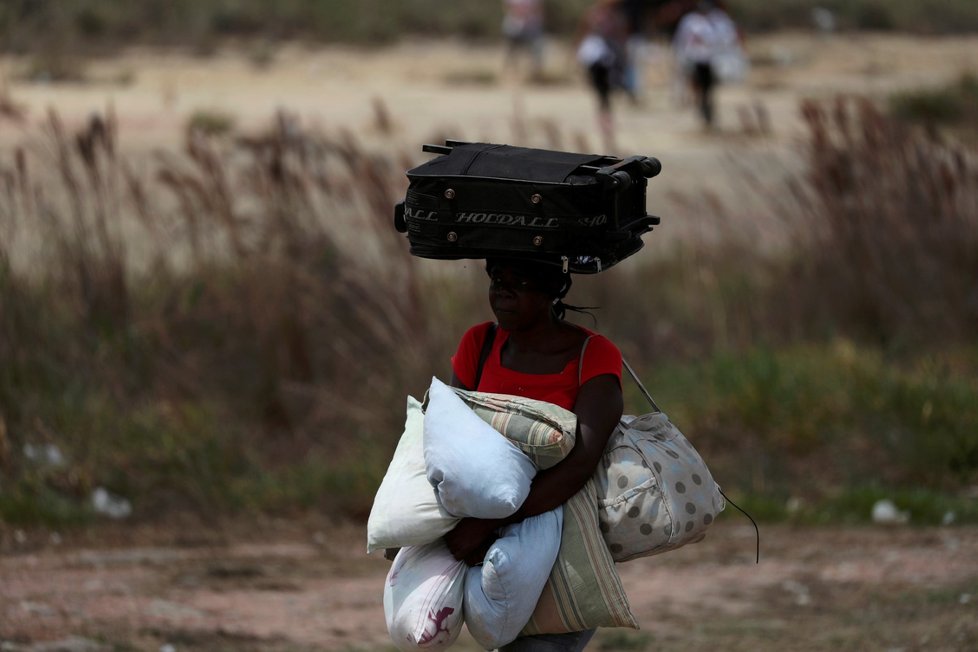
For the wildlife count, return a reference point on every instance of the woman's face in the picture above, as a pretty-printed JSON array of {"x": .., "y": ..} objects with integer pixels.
[{"x": 517, "y": 299}]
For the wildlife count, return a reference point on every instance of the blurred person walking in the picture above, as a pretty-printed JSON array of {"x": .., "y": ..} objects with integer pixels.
[
  {"x": 636, "y": 14},
  {"x": 706, "y": 39},
  {"x": 523, "y": 30},
  {"x": 603, "y": 53}
]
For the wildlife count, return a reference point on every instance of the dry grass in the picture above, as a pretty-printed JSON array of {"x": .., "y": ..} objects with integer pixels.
[
  {"x": 889, "y": 223},
  {"x": 255, "y": 353},
  {"x": 877, "y": 240},
  {"x": 275, "y": 289}
]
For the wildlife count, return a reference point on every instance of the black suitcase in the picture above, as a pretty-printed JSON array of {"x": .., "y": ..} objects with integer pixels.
[{"x": 479, "y": 200}]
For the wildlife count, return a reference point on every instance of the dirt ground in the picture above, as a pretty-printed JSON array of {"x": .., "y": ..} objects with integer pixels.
[
  {"x": 285, "y": 587},
  {"x": 431, "y": 87}
]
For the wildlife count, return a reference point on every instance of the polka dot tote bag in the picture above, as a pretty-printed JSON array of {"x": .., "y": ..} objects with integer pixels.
[{"x": 655, "y": 493}]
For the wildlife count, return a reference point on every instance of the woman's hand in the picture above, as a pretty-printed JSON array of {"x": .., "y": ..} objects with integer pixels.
[{"x": 470, "y": 539}]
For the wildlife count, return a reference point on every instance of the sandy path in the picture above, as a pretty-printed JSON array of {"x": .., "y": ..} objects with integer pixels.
[
  {"x": 446, "y": 88},
  {"x": 815, "y": 589},
  {"x": 427, "y": 86}
]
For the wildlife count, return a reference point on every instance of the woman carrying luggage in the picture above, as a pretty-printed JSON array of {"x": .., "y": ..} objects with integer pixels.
[{"x": 535, "y": 353}]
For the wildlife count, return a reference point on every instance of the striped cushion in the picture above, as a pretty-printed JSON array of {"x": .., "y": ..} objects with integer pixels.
[
  {"x": 544, "y": 431},
  {"x": 584, "y": 589}
]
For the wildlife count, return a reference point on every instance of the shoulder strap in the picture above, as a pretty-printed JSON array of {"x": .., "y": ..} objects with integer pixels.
[
  {"x": 648, "y": 397},
  {"x": 484, "y": 354},
  {"x": 628, "y": 368},
  {"x": 645, "y": 392}
]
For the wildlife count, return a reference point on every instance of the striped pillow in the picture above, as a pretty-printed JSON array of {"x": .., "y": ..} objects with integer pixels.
[
  {"x": 544, "y": 431},
  {"x": 583, "y": 590}
]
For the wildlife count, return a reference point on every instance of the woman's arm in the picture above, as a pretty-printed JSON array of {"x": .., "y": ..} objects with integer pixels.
[{"x": 599, "y": 407}]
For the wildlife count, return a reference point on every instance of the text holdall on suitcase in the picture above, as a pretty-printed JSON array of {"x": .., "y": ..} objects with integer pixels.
[{"x": 480, "y": 200}]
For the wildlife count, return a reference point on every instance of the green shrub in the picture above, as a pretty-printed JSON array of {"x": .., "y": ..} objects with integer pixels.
[
  {"x": 813, "y": 422},
  {"x": 55, "y": 66},
  {"x": 948, "y": 16},
  {"x": 954, "y": 104},
  {"x": 923, "y": 507},
  {"x": 86, "y": 26},
  {"x": 210, "y": 122}
]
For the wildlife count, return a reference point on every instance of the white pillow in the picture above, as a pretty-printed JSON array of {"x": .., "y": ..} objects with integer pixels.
[
  {"x": 423, "y": 597},
  {"x": 474, "y": 469},
  {"x": 501, "y": 594},
  {"x": 406, "y": 511}
]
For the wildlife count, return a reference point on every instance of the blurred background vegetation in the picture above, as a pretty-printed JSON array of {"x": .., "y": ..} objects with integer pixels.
[
  {"x": 256, "y": 358},
  {"x": 104, "y": 25}
]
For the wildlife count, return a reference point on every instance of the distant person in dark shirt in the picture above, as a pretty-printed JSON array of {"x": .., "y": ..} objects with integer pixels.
[{"x": 602, "y": 52}]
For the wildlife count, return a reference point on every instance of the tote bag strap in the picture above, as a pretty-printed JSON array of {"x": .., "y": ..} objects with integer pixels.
[
  {"x": 648, "y": 397},
  {"x": 645, "y": 392},
  {"x": 628, "y": 368}
]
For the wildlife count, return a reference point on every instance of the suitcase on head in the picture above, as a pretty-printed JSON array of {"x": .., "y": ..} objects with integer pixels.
[{"x": 479, "y": 200}]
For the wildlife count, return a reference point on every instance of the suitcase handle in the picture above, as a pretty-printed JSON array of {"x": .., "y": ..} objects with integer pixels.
[
  {"x": 621, "y": 175},
  {"x": 633, "y": 228},
  {"x": 400, "y": 223}
]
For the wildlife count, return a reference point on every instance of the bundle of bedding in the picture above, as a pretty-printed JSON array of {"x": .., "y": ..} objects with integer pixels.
[{"x": 475, "y": 454}]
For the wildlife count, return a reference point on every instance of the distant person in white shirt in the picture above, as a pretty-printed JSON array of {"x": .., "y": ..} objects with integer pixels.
[
  {"x": 523, "y": 30},
  {"x": 702, "y": 38}
]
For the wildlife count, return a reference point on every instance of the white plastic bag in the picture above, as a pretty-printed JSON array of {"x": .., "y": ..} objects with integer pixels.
[
  {"x": 423, "y": 597},
  {"x": 501, "y": 594},
  {"x": 406, "y": 511},
  {"x": 474, "y": 469}
]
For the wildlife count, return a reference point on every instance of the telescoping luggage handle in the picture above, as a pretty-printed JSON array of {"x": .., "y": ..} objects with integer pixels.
[{"x": 615, "y": 175}]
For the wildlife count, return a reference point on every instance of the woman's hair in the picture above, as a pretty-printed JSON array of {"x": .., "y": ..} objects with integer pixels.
[{"x": 549, "y": 278}]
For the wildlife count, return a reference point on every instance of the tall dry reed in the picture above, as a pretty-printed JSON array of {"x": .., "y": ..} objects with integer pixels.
[
  {"x": 243, "y": 307},
  {"x": 885, "y": 229},
  {"x": 261, "y": 275}
]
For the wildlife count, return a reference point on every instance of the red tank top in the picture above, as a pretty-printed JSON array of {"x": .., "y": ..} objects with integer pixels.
[{"x": 601, "y": 356}]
